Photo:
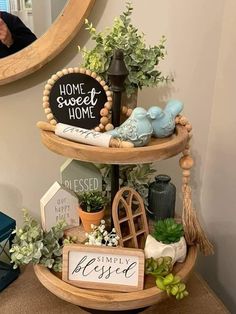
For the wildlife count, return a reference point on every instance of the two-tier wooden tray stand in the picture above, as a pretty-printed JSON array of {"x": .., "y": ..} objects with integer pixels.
[{"x": 158, "y": 149}]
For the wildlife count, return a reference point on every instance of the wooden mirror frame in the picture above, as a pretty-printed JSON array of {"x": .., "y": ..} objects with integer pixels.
[{"x": 50, "y": 44}]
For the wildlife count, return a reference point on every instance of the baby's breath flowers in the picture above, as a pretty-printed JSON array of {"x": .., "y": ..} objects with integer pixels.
[{"x": 101, "y": 237}]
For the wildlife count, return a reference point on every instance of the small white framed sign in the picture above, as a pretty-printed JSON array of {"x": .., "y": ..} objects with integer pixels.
[{"x": 106, "y": 268}]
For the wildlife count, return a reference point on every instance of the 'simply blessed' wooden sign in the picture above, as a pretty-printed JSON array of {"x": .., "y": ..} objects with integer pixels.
[{"x": 107, "y": 268}]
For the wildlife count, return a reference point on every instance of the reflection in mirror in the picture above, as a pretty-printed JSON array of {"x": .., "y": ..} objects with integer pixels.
[
  {"x": 46, "y": 47},
  {"x": 36, "y": 15}
]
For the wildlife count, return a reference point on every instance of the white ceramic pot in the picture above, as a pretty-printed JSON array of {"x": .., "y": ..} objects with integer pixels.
[{"x": 177, "y": 251}]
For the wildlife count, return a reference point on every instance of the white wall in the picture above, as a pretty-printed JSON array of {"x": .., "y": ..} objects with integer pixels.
[
  {"x": 193, "y": 29},
  {"x": 218, "y": 189}
]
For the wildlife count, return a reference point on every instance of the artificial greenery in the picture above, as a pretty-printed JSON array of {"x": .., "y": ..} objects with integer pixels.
[
  {"x": 161, "y": 269},
  {"x": 92, "y": 201},
  {"x": 168, "y": 231},
  {"x": 135, "y": 176},
  {"x": 33, "y": 245},
  {"x": 141, "y": 61}
]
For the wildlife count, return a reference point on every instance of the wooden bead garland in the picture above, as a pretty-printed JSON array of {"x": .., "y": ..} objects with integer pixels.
[
  {"x": 194, "y": 233},
  {"x": 105, "y": 123}
]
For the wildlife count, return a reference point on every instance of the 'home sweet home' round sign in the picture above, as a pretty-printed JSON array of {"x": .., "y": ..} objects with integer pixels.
[{"x": 78, "y": 97}]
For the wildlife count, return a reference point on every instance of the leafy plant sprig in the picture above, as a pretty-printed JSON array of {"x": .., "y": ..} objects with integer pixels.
[
  {"x": 168, "y": 231},
  {"x": 33, "y": 245},
  {"x": 141, "y": 60},
  {"x": 161, "y": 269},
  {"x": 135, "y": 176}
]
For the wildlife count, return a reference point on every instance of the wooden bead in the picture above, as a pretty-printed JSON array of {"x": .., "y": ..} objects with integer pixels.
[
  {"x": 186, "y": 162},
  {"x": 97, "y": 129},
  {"x": 103, "y": 83},
  {"x": 108, "y": 105},
  {"x": 50, "y": 116},
  {"x": 46, "y": 92},
  {"x": 109, "y": 127},
  {"x": 71, "y": 70},
  {"x": 51, "y": 81},
  {"x": 101, "y": 126},
  {"x": 129, "y": 111},
  {"x": 82, "y": 70},
  {"x": 76, "y": 69},
  {"x": 47, "y": 110},
  {"x": 108, "y": 93},
  {"x": 65, "y": 71},
  {"x": 104, "y": 112},
  {"x": 98, "y": 78},
  {"x": 54, "y": 77},
  {"x": 59, "y": 74},
  {"x": 53, "y": 122},
  {"x": 186, "y": 173},
  {"x": 88, "y": 72},
  {"x": 104, "y": 120},
  {"x": 94, "y": 75},
  {"x": 105, "y": 87},
  {"x": 109, "y": 98},
  {"x": 45, "y": 99},
  {"x": 188, "y": 127},
  {"x": 46, "y": 104},
  {"x": 124, "y": 110},
  {"x": 48, "y": 86},
  {"x": 183, "y": 120}
]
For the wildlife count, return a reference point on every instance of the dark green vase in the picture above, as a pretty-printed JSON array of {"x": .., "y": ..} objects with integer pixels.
[{"x": 161, "y": 198}]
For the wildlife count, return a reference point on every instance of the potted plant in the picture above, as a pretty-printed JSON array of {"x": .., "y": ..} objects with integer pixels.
[
  {"x": 141, "y": 60},
  {"x": 91, "y": 208},
  {"x": 167, "y": 240}
]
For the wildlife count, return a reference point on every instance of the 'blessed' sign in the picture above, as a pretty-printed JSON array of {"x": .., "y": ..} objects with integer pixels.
[
  {"x": 118, "y": 269},
  {"x": 77, "y": 99}
]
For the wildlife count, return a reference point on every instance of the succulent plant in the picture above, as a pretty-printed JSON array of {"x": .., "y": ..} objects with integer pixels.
[
  {"x": 161, "y": 269},
  {"x": 141, "y": 60},
  {"x": 168, "y": 231},
  {"x": 92, "y": 201}
]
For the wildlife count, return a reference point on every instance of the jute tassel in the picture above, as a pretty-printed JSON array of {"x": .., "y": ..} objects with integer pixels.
[{"x": 194, "y": 233}]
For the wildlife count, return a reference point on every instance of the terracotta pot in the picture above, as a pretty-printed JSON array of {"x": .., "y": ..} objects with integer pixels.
[{"x": 90, "y": 218}]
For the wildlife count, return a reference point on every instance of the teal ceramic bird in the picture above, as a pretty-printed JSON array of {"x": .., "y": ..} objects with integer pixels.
[
  {"x": 136, "y": 129},
  {"x": 163, "y": 121}
]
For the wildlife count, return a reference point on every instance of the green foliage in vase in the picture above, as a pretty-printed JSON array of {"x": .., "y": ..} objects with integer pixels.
[
  {"x": 141, "y": 60},
  {"x": 33, "y": 245},
  {"x": 134, "y": 176},
  {"x": 161, "y": 269},
  {"x": 168, "y": 231},
  {"x": 92, "y": 201}
]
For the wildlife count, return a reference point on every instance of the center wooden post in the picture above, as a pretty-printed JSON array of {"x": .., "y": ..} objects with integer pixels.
[{"x": 117, "y": 74}]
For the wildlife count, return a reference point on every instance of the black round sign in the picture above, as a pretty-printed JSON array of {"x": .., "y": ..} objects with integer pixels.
[{"x": 77, "y": 99}]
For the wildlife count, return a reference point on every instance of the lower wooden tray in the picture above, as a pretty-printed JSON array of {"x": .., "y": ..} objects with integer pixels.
[{"x": 113, "y": 301}]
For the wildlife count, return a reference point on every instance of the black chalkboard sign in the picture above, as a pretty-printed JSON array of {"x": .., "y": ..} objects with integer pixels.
[{"x": 77, "y": 99}]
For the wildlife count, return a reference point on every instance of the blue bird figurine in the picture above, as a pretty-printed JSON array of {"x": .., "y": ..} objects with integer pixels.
[
  {"x": 136, "y": 129},
  {"x": 163, "y": 121}
]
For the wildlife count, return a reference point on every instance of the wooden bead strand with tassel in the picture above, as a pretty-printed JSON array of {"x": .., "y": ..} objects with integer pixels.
[{"x": 194, "y": 233}]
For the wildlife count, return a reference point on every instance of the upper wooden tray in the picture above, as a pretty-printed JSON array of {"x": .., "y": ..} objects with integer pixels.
[{"x": 158, "y": 149}]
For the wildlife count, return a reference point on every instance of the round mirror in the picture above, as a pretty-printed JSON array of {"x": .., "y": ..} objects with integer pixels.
[{"x": 46, "y": 47}]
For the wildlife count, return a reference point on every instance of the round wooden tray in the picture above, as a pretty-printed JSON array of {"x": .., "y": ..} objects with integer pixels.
[
  {"x": 112, "y": 301},
  {"x": 158, "y": 149}
]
